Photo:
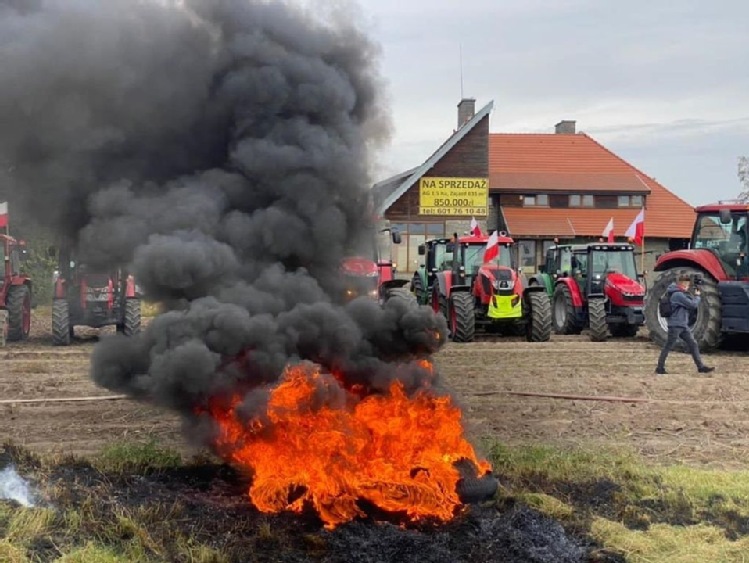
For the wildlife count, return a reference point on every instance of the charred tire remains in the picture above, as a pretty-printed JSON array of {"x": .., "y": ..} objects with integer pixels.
[
  {"x": 471, "y": 487},
  {"x": 706, "y": 327}
]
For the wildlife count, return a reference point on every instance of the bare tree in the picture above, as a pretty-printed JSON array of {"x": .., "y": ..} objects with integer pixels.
[{"x": 744, "y": 177}]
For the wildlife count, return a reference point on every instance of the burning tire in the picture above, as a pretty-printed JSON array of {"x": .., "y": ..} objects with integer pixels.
[
  {"x": 538, "y": 328},
  {"x": 131, "y": 322},
  {"x": 471, "y": 488},
  {"x": 402, "y": 295},
  {"x": 62, "y": 330},
  {"x": 462, "y": 319},
  {"x": 19, "y": 312},
  {"x": 599, "y": 329},
  {"x": 706, "y": 327},
  {"x": 564, "y": 317}
]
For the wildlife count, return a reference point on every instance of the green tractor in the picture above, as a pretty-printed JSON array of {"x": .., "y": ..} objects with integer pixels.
[
  {"x": 558, "y": 264},
  {"x": 438, "y": 256}
]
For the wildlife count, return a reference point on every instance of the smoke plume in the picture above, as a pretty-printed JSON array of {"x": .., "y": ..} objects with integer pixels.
[{"x": 220, "y": 149}]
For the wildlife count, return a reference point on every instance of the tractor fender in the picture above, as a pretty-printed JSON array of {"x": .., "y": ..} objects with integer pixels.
[
  {"x": 460, "y": 288},
  {"x": 536, "y": 280},
  {"x": 443, "y": 283},
  {"x": 130, "y": 287},
  {"x": 393, "y": 283},
  {"x": 700, "y": 259},
  {"x": 59, "y": 292},
  {"x": 577, "y": 300}
]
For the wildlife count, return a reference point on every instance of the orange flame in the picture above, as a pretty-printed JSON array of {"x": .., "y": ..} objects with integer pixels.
[{"x": 391, "y": 450}]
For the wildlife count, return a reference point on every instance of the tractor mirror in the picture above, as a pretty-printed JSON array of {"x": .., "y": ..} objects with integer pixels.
[
  {"x": 725, "y": 217},
  {"x": 395, "y": 236},
  {"x": 542, "y": 269},
  {"x": 422, "y": 250},
  {"x": 51, "y": 251}
]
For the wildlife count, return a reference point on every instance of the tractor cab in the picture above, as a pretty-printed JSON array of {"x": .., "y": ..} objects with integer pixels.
[
  {"x": 438, "y": 256},
  {"x": 724, "y": 232}
]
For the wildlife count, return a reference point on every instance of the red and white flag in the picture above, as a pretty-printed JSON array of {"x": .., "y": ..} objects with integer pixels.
[
  {"x": 609, "y": 230},
  {"x": 475, "y": 229},
  {"x": 492, "y": 248},
  {"x": 636, "y": 230},
  {"x": 4, "y": 215}
]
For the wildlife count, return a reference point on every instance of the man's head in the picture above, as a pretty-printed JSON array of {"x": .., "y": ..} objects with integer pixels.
[{"x": 684, "y": 281}]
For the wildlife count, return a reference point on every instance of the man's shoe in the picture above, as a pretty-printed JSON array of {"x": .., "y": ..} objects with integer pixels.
[
  {"x": 660, "y": 371},
  {"x": 705, "y": 369}
]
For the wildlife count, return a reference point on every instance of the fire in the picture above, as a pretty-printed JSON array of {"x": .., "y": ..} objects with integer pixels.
[{"x": 392, "y": 450}]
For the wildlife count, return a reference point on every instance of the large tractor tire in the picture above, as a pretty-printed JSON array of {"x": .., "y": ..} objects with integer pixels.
[
  {"x": 706, "y": 327},
  {"x": 131, "y": 324},
  {"x": 402, "y": 295},
  {"x": 19, "y": 312},
  {"x": 62, "y": 330},
  {"x": 462, "y": 320},
  {"x": 599, "y": 328},
  {"x": 538, "y": 326},
  {"x": 417, "y": 287},
  {"x": 564, "y": 318}
]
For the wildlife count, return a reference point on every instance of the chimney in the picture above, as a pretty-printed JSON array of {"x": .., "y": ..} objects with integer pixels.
[
  {"x": 466, "y": 110},
  {"x": 565, "y": 127}
]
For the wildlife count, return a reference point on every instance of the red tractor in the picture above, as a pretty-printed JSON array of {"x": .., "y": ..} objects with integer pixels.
[
  {"x": 92, "y": 298},
  {"x": 602, "y": 292},
  {"x": 375, "y": 277},
  {"x": 490, "y": 295},
  {"x": 15, "y": 289},
  {"x": 717, "y": 261}
]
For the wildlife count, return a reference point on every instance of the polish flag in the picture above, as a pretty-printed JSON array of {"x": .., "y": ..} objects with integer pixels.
[
  {"x": 636, "y": 230},
  {"x": 475, "y": 229},
  {"x": 4, "y": 215},
  {"x": 492, "y": 248},
  {"x": 609, "y": 230}
]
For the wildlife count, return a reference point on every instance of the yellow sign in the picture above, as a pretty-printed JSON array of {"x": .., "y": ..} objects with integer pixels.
[{"x": 453, "y": 196}]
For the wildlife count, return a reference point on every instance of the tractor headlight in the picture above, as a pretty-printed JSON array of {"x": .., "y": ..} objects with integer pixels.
[
  {"x": 504, "y": 284},
  {"x": 372, "y": 293}
]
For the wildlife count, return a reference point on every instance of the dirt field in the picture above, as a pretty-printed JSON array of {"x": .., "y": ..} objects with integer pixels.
[{"x": 694, "y": 418}]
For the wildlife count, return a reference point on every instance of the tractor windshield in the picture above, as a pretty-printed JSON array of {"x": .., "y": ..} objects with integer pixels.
[
  {"x": 610, "y": 261},
  {"x": 728, "y": 240},
  {"x": 473, "y": 257}
]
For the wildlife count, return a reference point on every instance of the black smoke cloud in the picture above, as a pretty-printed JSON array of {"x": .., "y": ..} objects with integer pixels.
[{"x": 220, "y": 149}]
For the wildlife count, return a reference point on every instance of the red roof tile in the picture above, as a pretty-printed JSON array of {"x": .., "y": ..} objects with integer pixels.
[
  {"x": 580, "y": 164},
  {"x": 572, "y": 222}
]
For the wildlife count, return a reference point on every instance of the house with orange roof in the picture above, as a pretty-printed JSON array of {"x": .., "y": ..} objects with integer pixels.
[{"x": 562, "y": 185}]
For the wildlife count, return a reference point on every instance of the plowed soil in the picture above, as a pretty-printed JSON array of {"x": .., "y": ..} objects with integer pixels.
[{"x": 691, "y": 417}]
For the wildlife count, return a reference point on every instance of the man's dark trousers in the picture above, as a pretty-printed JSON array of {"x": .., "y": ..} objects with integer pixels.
[{"x": 674, "y": 333}]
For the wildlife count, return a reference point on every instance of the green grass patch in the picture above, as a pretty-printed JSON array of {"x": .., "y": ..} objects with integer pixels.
[
  {"x": 646, "y": 512},
  {"x": 136, "y": 457}
]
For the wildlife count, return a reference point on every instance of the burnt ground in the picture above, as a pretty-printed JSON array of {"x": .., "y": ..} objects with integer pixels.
[{"x": 694, "y": 419}]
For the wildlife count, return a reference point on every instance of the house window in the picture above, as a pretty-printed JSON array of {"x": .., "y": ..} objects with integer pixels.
[
  {"x": 538, "y": 200},
  {"x": 630, "y": 201},
  {"x": 577, "y": 200}
]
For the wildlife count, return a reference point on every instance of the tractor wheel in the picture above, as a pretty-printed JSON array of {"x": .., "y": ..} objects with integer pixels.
[
  {"x": 462, "y": 320},
  {"x": 418, "y": 290},
  {"x": 599, "y": 329},
  {"x": 61, "y": 327},
  {"x": 623, "y": 330},
  {"x": 564, "y": 318},
  {"x": 402, "y": 295},
  {"x": 131, "y": 325},
  {"x": 538, "y": 327},
  {"x": 19, "y": 312},
  {"x": 706, "y": 326}
]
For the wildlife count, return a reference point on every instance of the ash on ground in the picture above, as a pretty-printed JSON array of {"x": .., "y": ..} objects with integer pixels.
[{"x": 209, "y": 504}]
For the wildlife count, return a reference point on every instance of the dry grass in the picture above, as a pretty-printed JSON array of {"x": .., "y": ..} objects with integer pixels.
[{"x": 647, "y": 513}]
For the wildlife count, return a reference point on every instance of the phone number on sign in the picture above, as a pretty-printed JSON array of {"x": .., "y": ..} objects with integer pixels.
[{"x": 452, "y": 210}]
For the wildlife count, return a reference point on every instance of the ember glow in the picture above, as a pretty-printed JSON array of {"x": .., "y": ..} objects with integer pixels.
[{"x": 391, "y": 450}]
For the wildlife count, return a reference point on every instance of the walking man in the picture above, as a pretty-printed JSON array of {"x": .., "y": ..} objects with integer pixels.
[{"x": 682, "y": 305}]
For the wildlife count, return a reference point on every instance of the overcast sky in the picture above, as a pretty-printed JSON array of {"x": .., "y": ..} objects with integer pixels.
[{"x": 664, "y": 84}]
